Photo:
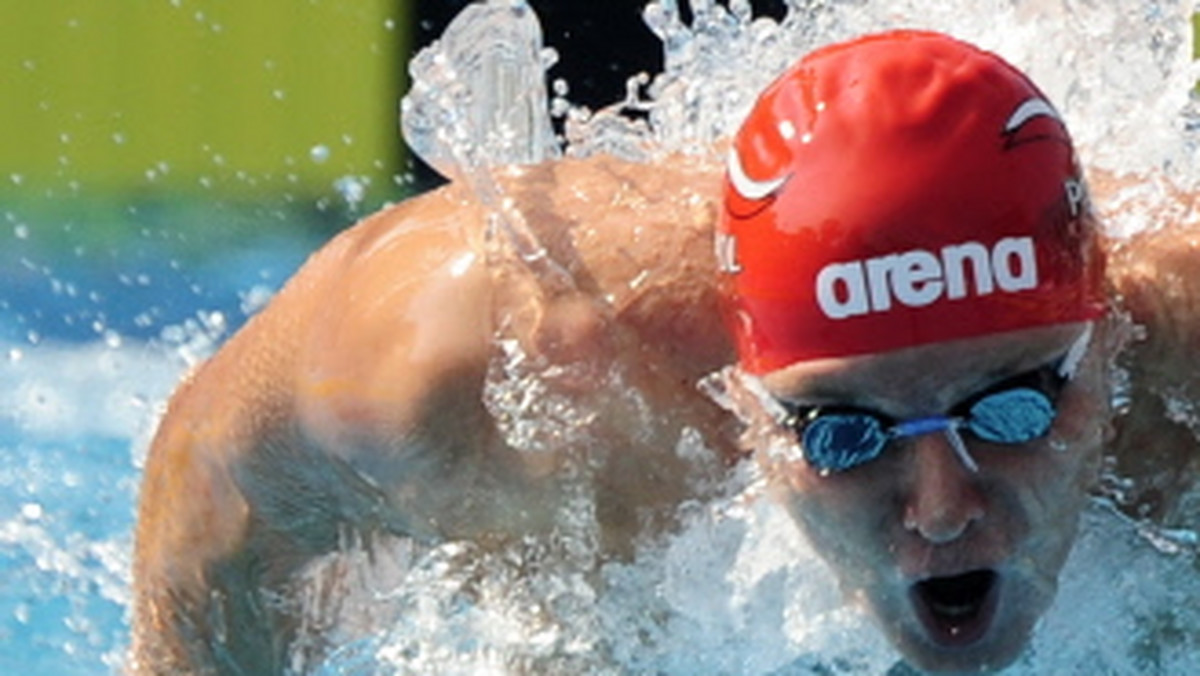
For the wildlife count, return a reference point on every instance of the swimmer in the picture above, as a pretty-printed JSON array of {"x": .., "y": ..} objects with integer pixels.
[
  {"x": 916, "y": 278},
  {"x": 907, "y": 281}
]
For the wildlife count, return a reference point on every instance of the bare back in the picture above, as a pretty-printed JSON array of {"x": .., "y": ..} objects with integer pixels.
[
  {"x": 390, "y": 386},
  {"x": 1156, "y": 279},
  {"x": 368, "y": 397}
]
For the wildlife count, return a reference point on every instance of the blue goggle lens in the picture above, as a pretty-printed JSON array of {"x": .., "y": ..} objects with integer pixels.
[
  {"x": 837, "y": 441},
  {"x": 1013, "y": 416}
]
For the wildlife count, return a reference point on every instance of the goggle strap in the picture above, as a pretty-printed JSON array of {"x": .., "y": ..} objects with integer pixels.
[
  {"x": 1070, "y": 362},
  {"x": 960, "y": 449},
  {"x": 917, "y": 427},
  {"x": 922, "y": 426}
]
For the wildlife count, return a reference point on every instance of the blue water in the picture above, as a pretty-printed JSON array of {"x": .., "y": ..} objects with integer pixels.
[
  {"x": 63, "y": 553},
  {"x": 93, "y": 339},
  {"x": 90, "y": 347},
  {"x": 89, "y": 356}
]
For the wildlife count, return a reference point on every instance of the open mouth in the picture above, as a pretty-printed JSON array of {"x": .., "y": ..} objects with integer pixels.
[{"x": 957, "y": 610}]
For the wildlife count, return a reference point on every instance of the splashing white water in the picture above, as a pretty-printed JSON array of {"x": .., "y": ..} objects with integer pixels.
[
  {"x": 63, "y": 392},
  {"x": 736, "y": 590},
  {"x": 479, "y": 95},
  {"x": 1121, "y": 73}
]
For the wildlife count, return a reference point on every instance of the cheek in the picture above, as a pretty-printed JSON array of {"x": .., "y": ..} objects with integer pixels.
[
  {"x": 811, "y": 497},
  {"x": 844, "y": 516},
  {"x": 1061, "y": 468},
  {"x": 1050, "y": 485},
  {"x": 1085, "y": 408},
  {"x": 1077, "y": 440}
]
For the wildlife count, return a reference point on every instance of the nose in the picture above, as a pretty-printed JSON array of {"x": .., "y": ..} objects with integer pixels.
[{"x": 945, "y": 497}]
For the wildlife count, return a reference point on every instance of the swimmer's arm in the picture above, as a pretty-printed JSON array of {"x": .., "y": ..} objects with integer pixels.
[
  {"x": 304, "y": 429},
  {"x": 1157, "y": 279},
  {"x": 195, "y": 605}
]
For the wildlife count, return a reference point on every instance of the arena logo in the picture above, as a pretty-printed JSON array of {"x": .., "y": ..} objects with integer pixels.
[{"x": 918, "y": 278}]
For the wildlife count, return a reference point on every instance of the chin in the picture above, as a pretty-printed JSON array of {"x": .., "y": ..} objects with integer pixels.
[{"x": 973, "y": 622}]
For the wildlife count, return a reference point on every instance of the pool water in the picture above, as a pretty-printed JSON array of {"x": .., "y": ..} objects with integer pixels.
[
  {"x": 64, "y": 554},
  {"x": 78, "y": 402},
  {"x": 90, "y": 350}
]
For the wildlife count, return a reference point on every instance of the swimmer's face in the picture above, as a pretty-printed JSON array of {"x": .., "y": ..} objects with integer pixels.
[{"x": 956, "y": 565}]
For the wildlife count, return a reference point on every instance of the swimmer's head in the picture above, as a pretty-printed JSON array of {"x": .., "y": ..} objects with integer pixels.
[{"x": 897, "y": 190}]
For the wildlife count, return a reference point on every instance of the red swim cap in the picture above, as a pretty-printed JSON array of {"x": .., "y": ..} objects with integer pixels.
[{"x": 896, "y": 190}]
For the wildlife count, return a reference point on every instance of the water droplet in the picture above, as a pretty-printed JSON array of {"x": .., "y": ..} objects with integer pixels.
[
  {"x": 255, "y": 299},
  {"x": 353, "y": 189},
  {"x": 479, "y": 97},
  {"x": 31, "y": 511}
]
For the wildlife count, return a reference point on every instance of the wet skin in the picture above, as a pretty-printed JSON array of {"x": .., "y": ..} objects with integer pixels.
[
  {"x": 918, "y": 513},
  {"x": 354, "y": 404}
]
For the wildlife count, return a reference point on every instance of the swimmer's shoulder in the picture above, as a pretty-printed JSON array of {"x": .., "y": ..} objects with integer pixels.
[
  {"x": 399, "y": 311},
  {"x": 358, "y": 335},
  {"x": 1156, "y": 277},
  {"x": 387, "y": 313},
  {"x": 418, "y": 287},
  {"x": 374, "y": 321},
  {"x": 638, "y": 238}
]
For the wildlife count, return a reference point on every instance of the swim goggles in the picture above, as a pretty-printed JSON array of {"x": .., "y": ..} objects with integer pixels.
[{"x": 1012, "y": 412}]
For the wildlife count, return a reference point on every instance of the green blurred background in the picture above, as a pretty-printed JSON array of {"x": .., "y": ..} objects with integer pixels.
[
  {"x": 184, "y": 95},
  {"x": 108, "y": 104},
  {"x": 204, "y": 122},
  {"x": 161, "y": 160},
  {"x": 255, "y": 114}
]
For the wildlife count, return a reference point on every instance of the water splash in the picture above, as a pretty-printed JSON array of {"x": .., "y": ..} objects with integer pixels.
[
  {"x": 529, "y": 411},
  {"x": 714, "y": 68},
  {"x": 59, "y": 392},
  {"x": 67, "y": 415},
  {"x": 479, "y": 94},
  {"x": 479, "y": 102},
  {"x": 735, "y": 589},
  {"x": 1130, "y": 105}
]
